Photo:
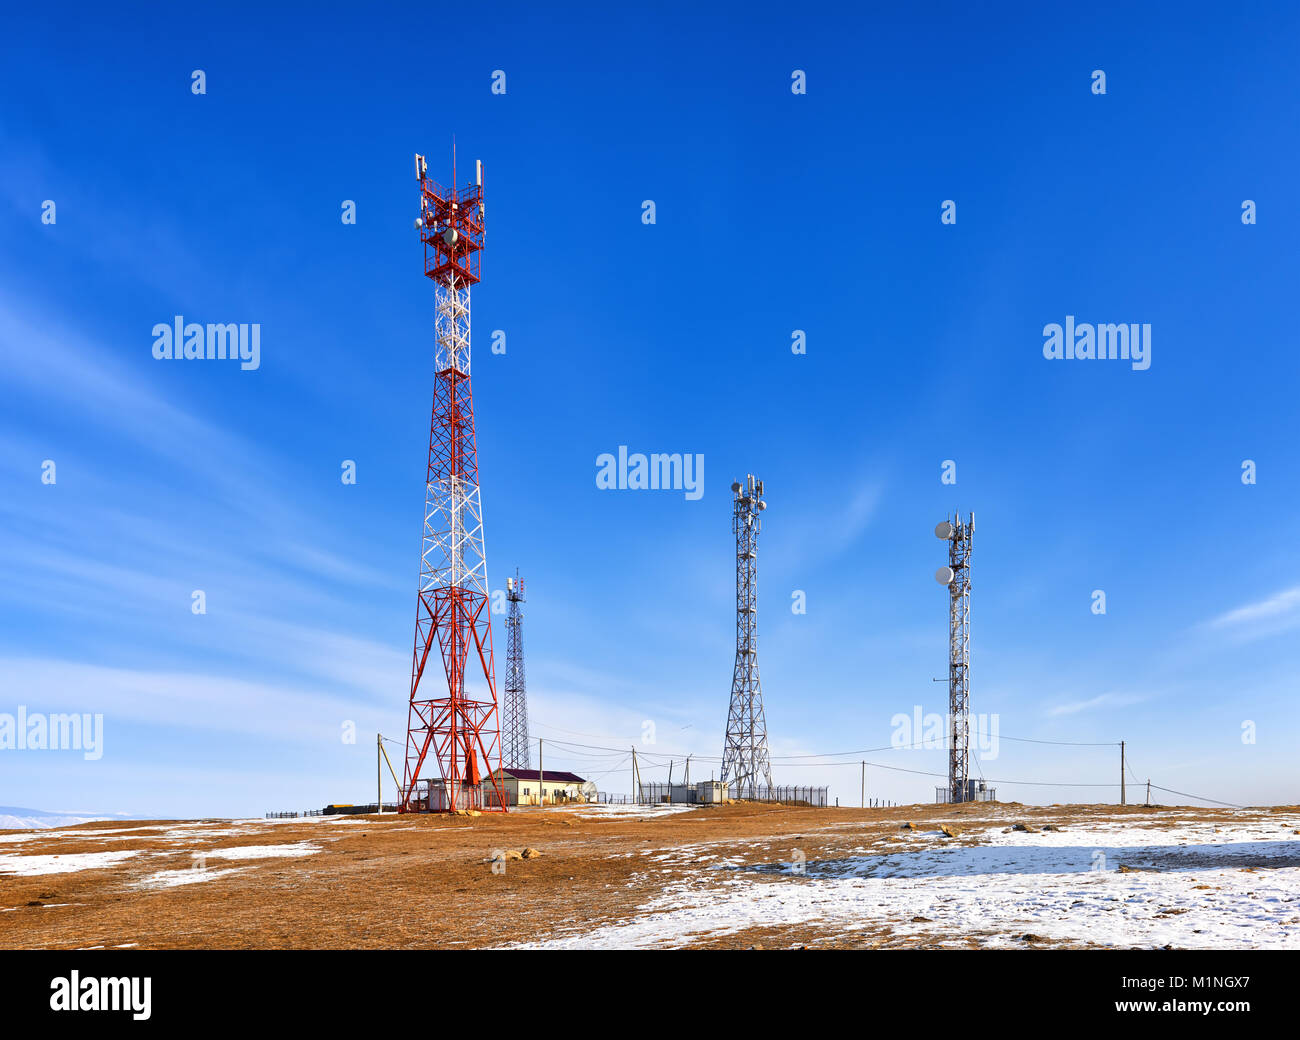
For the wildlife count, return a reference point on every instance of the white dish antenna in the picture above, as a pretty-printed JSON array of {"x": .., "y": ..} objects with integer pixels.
[
  {"x": 944, "y": 575},
  {"x": 944, "y": 530},
  {"x": 589, "y": 790}
]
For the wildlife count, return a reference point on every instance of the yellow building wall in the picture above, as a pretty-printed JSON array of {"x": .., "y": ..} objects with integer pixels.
[{"x": 515, "y": 791}]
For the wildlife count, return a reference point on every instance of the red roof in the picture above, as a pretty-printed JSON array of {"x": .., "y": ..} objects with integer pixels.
[{"x": 551, "y": 774}]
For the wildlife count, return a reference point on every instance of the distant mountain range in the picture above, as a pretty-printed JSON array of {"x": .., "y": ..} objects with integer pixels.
[{"x": 16, "y": 818}]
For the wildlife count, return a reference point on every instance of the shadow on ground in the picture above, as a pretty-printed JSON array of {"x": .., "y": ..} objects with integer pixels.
[{"x": 965, "y": 861}]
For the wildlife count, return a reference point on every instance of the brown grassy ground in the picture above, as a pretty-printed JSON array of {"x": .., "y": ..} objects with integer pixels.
[{"x": 407, "y": 882}]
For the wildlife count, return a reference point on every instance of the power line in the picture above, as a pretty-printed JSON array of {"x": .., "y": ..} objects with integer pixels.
[
  {"x": 1199, "y": 798},
  {"x": 1059, "y": 743},
  {"x": 612, "y": 753},
  {"x": 614, "y": 769},
  {"x": 574, "y": 732},
  {"x": 915, "y": 745},
  {"x": 666, "y": 758},
  {"x": 928, "y": 772}
]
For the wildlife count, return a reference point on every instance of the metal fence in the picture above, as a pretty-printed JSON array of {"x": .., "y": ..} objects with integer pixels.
[
  {"x": 653, "y": 793},
  {"x": 978, "y": 793},
  {"x": 817, "y": 797},
  {"x": 433, "y": 796},
  {"x": 679, "y": 794}
]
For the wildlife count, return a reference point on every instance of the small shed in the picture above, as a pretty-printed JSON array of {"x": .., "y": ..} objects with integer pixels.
[{"x": 710, "y": 792}]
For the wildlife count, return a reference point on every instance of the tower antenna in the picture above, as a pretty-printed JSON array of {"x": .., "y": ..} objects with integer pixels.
[
  {"x": 514, "y": 728},
  {"x": 745, "y": 758},
  {"x": 961, "y": 539},
  {"x": 456, "y": 727}
]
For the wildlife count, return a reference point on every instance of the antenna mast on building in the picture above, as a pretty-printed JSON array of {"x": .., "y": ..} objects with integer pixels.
[
  {"x": 745, "y": 759},
  {"x": 514, "y": 712},
  {"x": 960, "y": 538},
  {"x": 456, "y": 727}
]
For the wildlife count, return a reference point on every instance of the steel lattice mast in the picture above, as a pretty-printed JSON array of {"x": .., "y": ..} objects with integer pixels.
[
  {"x": 458, "y": 728},
  {"x": 515, "y": 709},
  {"x": 960, "y": 537},
  {"x": 744, "y": 755}
]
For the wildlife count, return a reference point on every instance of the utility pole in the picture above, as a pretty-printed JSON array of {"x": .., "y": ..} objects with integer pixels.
[
  {"x": 1121, "y": 773},
  {"x": 636, "y": 779},
  {"x": 864, "y": 784},
  {"x": 1148, "y": 791},
  {"x": 397, "y": 784},
  {"x": 541, "y": 776},
  {"x": 379, "y": 774}
]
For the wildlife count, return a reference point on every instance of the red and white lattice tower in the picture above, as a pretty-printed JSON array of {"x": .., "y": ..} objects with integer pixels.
[{"x": 456, "y": 726}]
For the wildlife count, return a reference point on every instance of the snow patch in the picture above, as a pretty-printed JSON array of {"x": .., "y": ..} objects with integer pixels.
[
  {"x": 302, "y": 848},
  {"x": 175, "y": 878},
  {"x": 594, "y": 812},
  {"x": 1231, "y": 884},
  {"x": 66, "y": 863}
]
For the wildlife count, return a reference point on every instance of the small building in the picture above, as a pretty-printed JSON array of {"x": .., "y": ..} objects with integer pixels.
[
  {"x": 525, "y": 786},
  {"x": 706, "y": 792},
  {"x": 710, "y": 792},
  {"x": 431, "y": 795}
]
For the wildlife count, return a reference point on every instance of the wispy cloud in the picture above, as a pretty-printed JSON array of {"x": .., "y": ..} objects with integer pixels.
[
  {"x": 205, "y": 703},
  {"x": 829, "y": 529},
  {"x": 1276, "y": 613},
  {"x": 1104, "y": 700}
]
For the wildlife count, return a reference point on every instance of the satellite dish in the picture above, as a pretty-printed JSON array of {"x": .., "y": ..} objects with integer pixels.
[
  {"x": 943, "y": 530},
  {"x": 589, "y": 790},
  {"x": 449, "y": 236},
  {"x": 735, "y": 486},
  {"x": 419, "y": 223},
  {"x": 944, "y": 575},
  {"x": 762, "y": 505}
]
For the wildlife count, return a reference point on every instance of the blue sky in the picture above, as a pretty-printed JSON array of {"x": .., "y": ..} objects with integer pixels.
[{"x": 774, "y": 212}]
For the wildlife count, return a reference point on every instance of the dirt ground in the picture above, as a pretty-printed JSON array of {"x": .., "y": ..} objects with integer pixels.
[{"x": 429, "y": 881}]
